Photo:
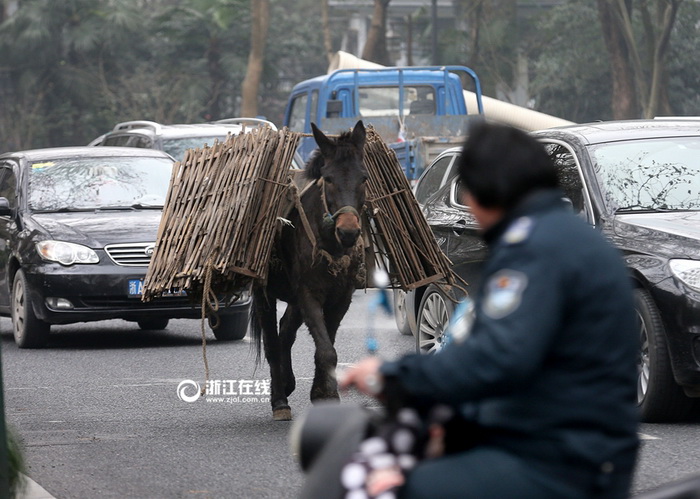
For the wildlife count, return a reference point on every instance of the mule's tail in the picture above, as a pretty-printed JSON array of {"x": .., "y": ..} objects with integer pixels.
[{"x": 256, "y": 329}]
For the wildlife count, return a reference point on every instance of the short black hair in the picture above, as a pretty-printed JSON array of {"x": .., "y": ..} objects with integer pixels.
[{"x": 500, "y": 165}]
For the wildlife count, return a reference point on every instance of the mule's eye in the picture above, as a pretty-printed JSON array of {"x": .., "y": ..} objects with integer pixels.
[{"x": 328, "y": 179}]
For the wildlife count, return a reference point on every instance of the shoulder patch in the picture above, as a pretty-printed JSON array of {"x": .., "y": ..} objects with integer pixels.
[
  {"x": 504, "y": 292},
  {"x": 518, "y": 231}
]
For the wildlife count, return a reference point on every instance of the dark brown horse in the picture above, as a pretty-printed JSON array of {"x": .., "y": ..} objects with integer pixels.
[{"x": 314, "y": 266}]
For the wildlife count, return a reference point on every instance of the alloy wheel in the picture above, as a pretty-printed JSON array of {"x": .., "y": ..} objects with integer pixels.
[
  {"x": 434, "y": 318},
  {"x": 643, "y": 365}
]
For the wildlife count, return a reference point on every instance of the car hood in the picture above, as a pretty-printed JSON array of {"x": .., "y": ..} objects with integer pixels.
[
  {"x": 97, "y": 229},
  {"x": 673, "y": 234}
]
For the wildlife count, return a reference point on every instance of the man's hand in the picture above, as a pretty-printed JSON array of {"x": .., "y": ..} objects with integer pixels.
[{"x": 364, "y": 376}]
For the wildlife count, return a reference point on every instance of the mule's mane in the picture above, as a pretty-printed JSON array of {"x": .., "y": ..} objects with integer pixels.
[{"x": 345, "y": 150}]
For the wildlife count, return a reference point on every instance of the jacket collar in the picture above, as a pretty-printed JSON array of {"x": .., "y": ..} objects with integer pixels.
[{"x": 542, "y": 200}]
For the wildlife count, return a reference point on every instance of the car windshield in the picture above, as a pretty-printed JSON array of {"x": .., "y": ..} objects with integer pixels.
[
  {"x": 649, "y": 175},
  {"x": 69, "y": 184},
  {"x": 177, "y": 147}
]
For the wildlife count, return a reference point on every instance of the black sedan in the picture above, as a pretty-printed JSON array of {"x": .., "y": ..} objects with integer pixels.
[
  {"x": 639, "y": 183},
  {"x": 78, "y": 226}
]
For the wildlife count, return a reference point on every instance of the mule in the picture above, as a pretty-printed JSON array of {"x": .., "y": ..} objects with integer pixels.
[{"x": 314, "y": 265}]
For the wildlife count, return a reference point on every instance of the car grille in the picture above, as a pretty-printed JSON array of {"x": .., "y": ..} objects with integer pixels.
[{"x": 131, "y": 254}]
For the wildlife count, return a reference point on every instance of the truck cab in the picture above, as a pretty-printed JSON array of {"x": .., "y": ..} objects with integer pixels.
[{"x": 418, "y": 111}]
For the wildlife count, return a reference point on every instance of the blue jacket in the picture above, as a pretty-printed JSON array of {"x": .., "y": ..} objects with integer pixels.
[{"x": 549, "y": 365}]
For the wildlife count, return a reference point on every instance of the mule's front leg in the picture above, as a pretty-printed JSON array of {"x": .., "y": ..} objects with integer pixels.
[{"x": 325, "y": 385}]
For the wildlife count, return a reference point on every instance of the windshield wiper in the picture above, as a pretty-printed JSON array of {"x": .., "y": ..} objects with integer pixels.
[
  {"x": 146, "y": 206},
  {"x": 133, "y": 207},
  {"x": 642, "y": 209},
  {"x": 65, "y": 209},
  {"x": 115, "y": 208}
]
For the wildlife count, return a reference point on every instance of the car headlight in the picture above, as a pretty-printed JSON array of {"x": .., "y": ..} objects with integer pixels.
[
  {"x": 66, "y": 253},
  {"x": 687, "y": 271}
]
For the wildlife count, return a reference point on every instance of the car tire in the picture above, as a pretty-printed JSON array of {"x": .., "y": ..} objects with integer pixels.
[
  {"x": 230, "y": 327},
  {"x": 400, "y": 312},
  {"x": 659, "y": 397},
  {"x": 434, "y": 314},
  {"x": 153, "y": 324},
  {"x": 29, "y": 331}
]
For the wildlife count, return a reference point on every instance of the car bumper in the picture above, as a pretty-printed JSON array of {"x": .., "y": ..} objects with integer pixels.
[
  {"x": 99, "y": 293},
  {"x": 680, "y": 310}
]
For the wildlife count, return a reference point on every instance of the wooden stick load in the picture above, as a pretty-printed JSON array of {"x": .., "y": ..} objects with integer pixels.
[
  {"x": 221, "y": 214},
  {"x": 398, "y": 227}
]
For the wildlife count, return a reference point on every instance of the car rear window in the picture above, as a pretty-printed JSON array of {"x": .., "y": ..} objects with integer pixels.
[
  {"x": 433, "y": 179},
  {"x": 177, "y": 147}
]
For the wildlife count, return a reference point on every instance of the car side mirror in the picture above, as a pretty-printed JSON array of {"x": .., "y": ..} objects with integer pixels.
[{"x": 5, "y": 209}]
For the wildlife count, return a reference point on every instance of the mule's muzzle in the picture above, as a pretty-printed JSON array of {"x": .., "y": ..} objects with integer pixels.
[
  {"x": 348, "y": 238},
  {"x": 347, "y": 227}
]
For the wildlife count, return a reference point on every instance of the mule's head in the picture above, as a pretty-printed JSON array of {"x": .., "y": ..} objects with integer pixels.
[{"x": 339, "y": 168}]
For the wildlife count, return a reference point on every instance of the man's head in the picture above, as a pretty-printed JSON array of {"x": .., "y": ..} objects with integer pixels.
[{"x": 501, "y": 165}]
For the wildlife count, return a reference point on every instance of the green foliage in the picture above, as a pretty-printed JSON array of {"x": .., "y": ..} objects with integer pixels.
[
  {"x": 570, "y": 73},
  {"x": 70, "y": 70},
  {"x": 15, "y": 461},
  {"x": 683, "y": 67},
  {"x": 294, "y": 52},
  {"x": 570, "y": 77}
]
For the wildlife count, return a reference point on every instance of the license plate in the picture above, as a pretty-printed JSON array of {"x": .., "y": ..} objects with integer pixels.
[{"x": 136, "y": 289}]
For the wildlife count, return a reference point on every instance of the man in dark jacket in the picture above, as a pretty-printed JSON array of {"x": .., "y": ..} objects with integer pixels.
[{"x": 546, "y": 376}]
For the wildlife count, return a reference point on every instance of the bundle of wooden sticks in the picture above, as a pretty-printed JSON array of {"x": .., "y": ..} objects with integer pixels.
[{"x": 224, "y": 203}]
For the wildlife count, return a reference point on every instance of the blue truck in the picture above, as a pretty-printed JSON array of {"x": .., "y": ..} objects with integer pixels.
[{"x": 418, "y": 111}]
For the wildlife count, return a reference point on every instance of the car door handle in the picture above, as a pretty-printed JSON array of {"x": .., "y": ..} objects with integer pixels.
[{"x": 459, "y": 227}]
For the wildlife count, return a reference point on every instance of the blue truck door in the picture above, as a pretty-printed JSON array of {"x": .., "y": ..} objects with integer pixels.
[{"x": 302, "y": 110}]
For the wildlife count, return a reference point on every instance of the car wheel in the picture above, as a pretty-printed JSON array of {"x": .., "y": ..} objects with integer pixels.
[
  {"x": 433, "y": 318},
  {"x": 153, "y": 324},
  {"x": 658, "y": 396},
  {"x": 400, "y": 312},
  {"x": 230, "y": 327},
  {"x": 29, "y": 331}
]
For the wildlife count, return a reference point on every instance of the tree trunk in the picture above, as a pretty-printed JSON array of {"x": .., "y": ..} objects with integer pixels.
[
  {"x": 217, "y": 78},
  {"x": 625, "y": 103},
  {"x": 625, "y": 61},
  {"x": 327, "y": 40},
  {"x": 657, "y": 92},
  {"x": 260, "y": 20},
  {"x": 475, "y": 18},
  {"x": 375, "y": 49}
]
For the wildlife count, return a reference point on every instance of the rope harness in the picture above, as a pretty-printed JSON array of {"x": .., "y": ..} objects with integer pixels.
[
  {"x": 327, "y": 217},
  {"x": 335, "y": 265}
]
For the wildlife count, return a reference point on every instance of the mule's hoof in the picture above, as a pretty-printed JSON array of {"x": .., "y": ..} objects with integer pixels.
[{"x": 282, "y": 414}]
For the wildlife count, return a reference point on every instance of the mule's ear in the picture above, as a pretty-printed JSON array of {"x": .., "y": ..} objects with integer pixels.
[
  {"x": 359, "y": 134},
  {"x": 324, "y": 143}
]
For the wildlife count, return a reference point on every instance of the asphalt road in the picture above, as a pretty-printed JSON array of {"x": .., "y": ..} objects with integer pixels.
[{"x": 99, "y": 415}]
